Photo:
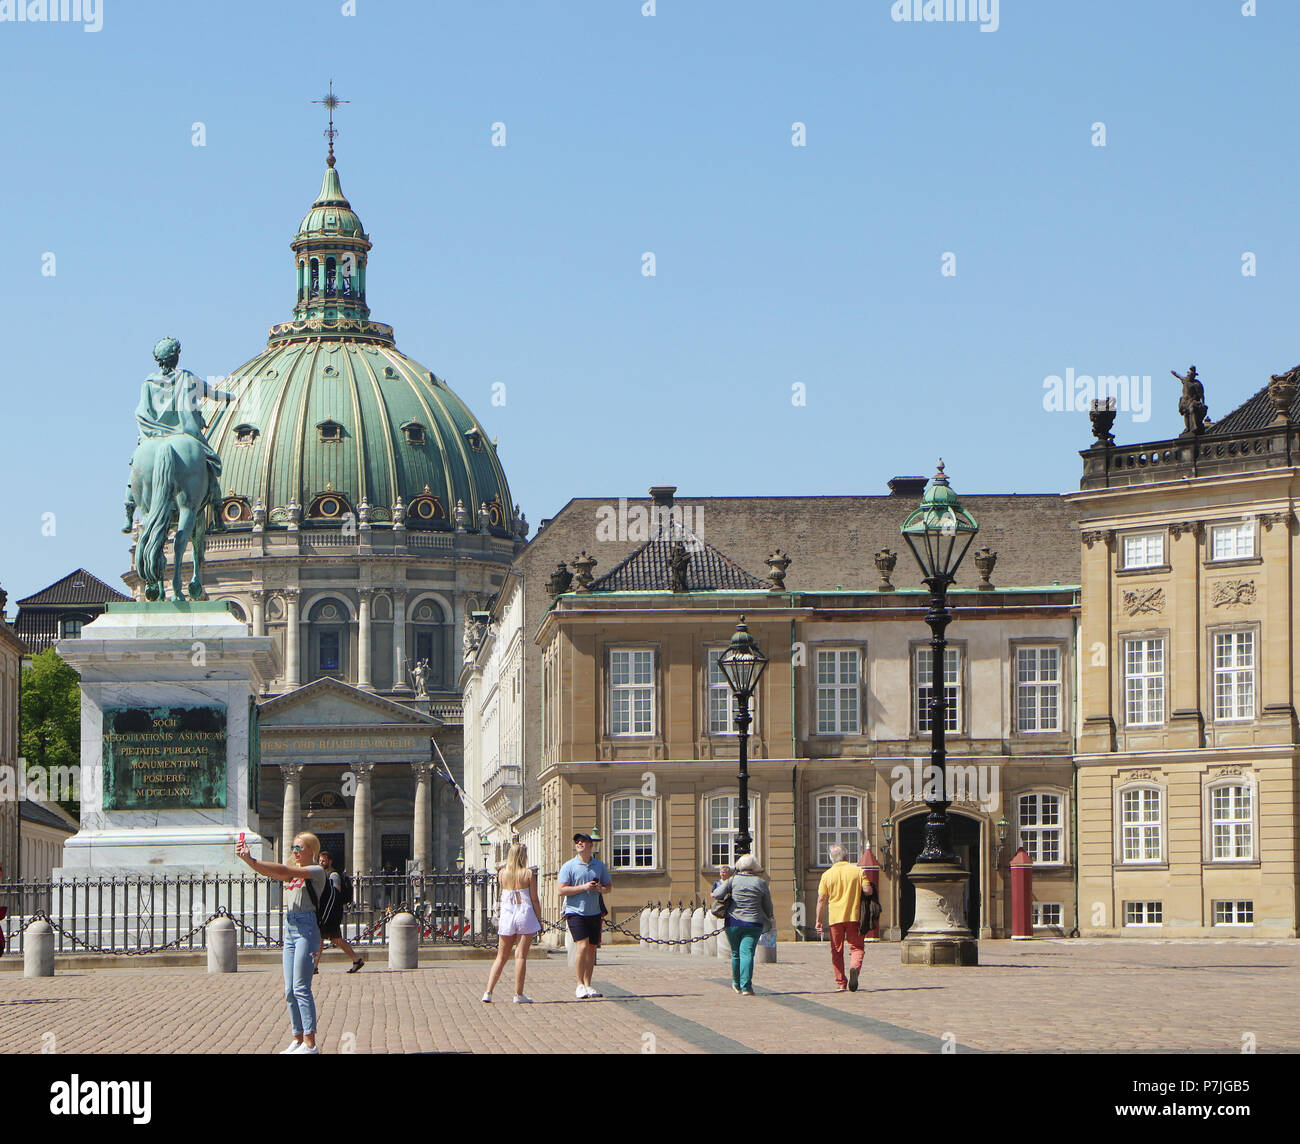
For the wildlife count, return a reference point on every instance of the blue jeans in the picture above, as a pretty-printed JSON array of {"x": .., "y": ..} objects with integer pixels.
[
  {"x": 743, "y": 940},
  {"x": 301, "y": 941}
]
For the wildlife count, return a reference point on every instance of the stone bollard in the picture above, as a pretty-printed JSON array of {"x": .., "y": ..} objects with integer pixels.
[
  {"x": 38, "y": 950},
  {"x": 724, "y": 946},
  {"x": 698, "y": 929},
  {"x": 223, "y": 953},
  {"x": 643, "y": 928},
  {"x": 675, "y": 928},
  {"x": 764, "y": 953},
  {"x": 660, "y": 924},
  {"x": 402, "y": 948}
]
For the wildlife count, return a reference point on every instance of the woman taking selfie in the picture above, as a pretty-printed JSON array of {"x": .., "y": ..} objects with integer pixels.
[
  {"x": 517, "y": 922},
  {"x": 305, "y": 883}
]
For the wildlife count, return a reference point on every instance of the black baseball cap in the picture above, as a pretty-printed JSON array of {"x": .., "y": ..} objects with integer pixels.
[{"x": 580, "y": 837}]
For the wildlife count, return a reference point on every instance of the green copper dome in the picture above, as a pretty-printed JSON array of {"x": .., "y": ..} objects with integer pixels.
[{"x": 332, "y": 425}]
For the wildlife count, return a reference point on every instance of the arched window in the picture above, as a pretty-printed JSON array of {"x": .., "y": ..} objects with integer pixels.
[
  {"x": 1140, "y": 815},
  {"x": 724, "y": 824},
  {"x": 1232, "y": 822},
  {"x": 634, "y": 836},
  {"x": 837, "y": 821},
  {"x": 328, "y": 624},
  {"x": 329, "y": 276},
  {"x": 313, "y": 279},
  {"x": 1041, "y": 826}
]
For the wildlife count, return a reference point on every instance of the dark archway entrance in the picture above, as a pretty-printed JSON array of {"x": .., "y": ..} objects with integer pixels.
[{"x": 966, "y": 843}]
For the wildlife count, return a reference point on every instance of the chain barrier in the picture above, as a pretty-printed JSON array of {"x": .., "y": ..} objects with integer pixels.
[
  {"x": 619, "y": 927},
  {"x": 91, "y": 947}
]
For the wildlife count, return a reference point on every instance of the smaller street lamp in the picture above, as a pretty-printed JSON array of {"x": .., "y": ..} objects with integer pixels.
[
  {"x": 460, "y": 860},
  {"x": 742, "y": 666}
]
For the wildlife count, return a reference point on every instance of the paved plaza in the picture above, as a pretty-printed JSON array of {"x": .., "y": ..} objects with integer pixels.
[{"x": 1040, "y": 997}]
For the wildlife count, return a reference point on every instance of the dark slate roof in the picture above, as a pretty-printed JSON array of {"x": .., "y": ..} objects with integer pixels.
[
  {"x": 648, "y": 569},
  {"x": 30, "y": 811},
  {"x": 1256, "y": 412},
  {"x": 78, "y": 587}
]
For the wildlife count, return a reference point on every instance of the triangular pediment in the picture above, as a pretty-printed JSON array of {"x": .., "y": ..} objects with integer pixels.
[{"x": 331, "y": 703}]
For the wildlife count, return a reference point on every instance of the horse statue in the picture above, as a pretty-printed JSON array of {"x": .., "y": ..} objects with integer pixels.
[{"x": 175, "y": 475}]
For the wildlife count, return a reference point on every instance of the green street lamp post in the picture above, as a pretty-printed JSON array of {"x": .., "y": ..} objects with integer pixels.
[
  {"x": 939, "y": 532},
  {"x": 742, "y": 665}
]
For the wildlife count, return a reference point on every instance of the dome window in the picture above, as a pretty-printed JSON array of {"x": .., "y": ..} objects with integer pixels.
[
  {"x": 245, "y": 434},
  {"x": 496, "y": 514},
  {"x": 236, "y": 510},
  {"x": 414, "y": 433},
  {"x": 328, "y": 506},
  {"x": 474, "y": 435},
  {"x": 425, "y": 512},
  {"x": 331, "y": 432},
  {"x": 389, "y": 371}
]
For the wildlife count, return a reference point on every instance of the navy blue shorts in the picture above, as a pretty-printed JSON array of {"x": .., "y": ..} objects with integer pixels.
[{"x": 584, "y": 927}]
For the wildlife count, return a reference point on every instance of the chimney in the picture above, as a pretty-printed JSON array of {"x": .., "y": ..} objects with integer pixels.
[
  {"x": 662, "y": 495},
  {"x": 908, "y": 486}
]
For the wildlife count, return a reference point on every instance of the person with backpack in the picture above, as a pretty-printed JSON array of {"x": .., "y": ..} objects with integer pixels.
[
  {"x": 305, "y": 883},
  {"x": 337, "y": 896}
]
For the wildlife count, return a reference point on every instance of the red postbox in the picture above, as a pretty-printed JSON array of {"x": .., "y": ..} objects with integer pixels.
[
  {"x": 1022, "y": 896},
  {"x": 871, "y": 868}
]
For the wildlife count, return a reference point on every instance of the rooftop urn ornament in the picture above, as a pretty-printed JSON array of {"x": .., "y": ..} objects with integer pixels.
[
  {"x": 174, "y": 471},
  {"x": 560, "y": 581},
  {"x": 583, "y": 564},
  {"x": 484, "y": 517},
  {"x": 460, "y": 515},
  {"x": 259, "y": 517},
  {"x": 984, "y": 559},
  {"x": 1102, "y": 415},
  {"x": 363, "y": 513},
  {"x": 294, "y": 512},
  {"x": 399, "y": 513},
  {"x": 679, "y": 560},
  {"x": 1282, "y": 391},
  {"x": 1192, "y": 402},
  {"x": 885, "y": 561},
  {"x": 777, "y": 563}
]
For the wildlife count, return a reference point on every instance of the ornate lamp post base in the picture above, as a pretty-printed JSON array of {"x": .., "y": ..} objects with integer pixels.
[{"x": 939, "y": 933}]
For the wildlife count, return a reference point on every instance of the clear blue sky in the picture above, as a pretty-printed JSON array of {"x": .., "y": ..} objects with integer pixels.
[{"x": 672, "y": 134}]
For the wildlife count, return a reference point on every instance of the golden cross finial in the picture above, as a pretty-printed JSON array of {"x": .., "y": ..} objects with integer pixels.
[{"x": 331, "y": 101}]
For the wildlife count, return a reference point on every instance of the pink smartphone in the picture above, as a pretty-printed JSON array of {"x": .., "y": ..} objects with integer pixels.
[{"x": 241, "y": 838}]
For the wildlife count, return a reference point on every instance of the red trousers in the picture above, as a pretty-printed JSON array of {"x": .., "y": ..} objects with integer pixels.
[{"x": 840, "y": 931}]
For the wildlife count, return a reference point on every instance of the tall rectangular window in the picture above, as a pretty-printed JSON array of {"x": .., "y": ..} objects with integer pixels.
[
  {"x": 837, "y": 692},
  {"x": 839, "y": 822},
  {"x": 1145, "y": 550},
  {"x": 724, "y": 825},
  {"x": 721, "y": 700},
  {"x": 631, "y": 691},
  {"x": 952, "y": 683},
  {"x": 1234, "y": 675},
  {"x": 633, "y": 836},
  {"x": 1144, "y": 682},
  {"x": 1040, "y": 827},
  {"x": 329, "y": 651},
  {"x": 1140, "y": 824},
  {"x": 1232, "y": 830},
  {"x": 1232, "y": 541},
  {"x": 1038, "y": 688}
]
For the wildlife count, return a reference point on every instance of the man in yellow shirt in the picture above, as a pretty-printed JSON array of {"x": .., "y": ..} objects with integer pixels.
[{"x": 841, "y": 886}]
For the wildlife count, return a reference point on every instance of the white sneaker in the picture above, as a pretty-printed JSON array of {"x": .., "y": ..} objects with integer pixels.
[
  {"x": 294, "y": 1046},
  {"x": 520, "y": 999},
  {"x": 487, "y": 998},
  {"x": 582, "y": 992},
  {"x": 305, "y": 1049}
]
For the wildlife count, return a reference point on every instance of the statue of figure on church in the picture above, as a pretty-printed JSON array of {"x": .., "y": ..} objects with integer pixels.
[
  {"x": 1192, "y": 402},
  {"x": 174, "y": 472},
  {"x": 420, "y": 674}
]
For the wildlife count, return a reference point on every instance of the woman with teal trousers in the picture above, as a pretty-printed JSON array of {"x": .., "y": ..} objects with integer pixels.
[{"x": 749, "y": 915}]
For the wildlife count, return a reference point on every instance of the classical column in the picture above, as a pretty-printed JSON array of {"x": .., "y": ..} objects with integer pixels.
[
  {"x": 361, "y": 861},
  {"x": 291, "y": 637},
  {"x": 259, "y": 613},
  {"x": 423, "y": 838},
  {"x": 399, "y": 638},
  {"x": 289, "y": 825},
  {"x": 363, "y": 638}
]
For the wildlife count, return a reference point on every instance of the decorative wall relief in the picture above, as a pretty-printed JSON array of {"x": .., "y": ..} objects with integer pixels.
[
  {"x": 1233, "y": 594},
  {"x": 1144, "y": 601}
]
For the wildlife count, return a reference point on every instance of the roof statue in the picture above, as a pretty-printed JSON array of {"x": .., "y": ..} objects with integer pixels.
[
  {"x": 174, "y": 471},
  {"x": 1191, "y": 404}
]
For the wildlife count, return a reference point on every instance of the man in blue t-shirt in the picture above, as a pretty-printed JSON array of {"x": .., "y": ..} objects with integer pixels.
[{"x": 582, "y": 880}]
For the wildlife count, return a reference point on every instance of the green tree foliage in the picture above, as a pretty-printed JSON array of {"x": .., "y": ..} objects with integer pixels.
[{"x": 50, "y": 715}]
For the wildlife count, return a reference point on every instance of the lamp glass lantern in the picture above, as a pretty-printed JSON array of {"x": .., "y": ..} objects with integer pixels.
[
  {"x": 940, "y": 531},
  {"x": 742, "y": 663}
]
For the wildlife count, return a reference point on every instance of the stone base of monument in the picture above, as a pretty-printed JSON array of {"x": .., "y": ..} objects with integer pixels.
[
  {"x": 169, "y": 748},
  {"x": 939, "y": 933}
]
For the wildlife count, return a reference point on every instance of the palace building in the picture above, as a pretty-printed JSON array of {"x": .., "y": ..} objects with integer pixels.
[
  {"x": 1188, "y": 750},
  {"x": 366, "y": 516}
]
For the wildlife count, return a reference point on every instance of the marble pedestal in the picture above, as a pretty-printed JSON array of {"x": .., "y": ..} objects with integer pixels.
[
  {"x": 939, "y": 933},
  {"x": 166, "y": 655}
]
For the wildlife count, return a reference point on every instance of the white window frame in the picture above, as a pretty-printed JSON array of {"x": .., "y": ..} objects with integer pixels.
[
  {"x": 1143, "y": 909},
  {"x": 921, "y": 668},
  {"x": 1147, "y": 685},
  {"x": 1235, "y": 911},
  {"x": 838, "y": 690},
  {"x": 1032, "y": 834},
  {"x": 1140, "y": 827},
  {"x": 823, "y": 837},
  {"x": 1227, "y": 820},
  {"x": 708, "y": 830},
  {"x": 1233, "y": 533},
  {"x": 719, "y": 685},
  {"x": 1137, "y": 547},
  {"x": 1234, "y": 662},
  {"x": 1039, "y": 687},
  {"x": 1037, "y": 910},
  {"x": 633, "y": 689},
  {"x": 633, "y": 831}
]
